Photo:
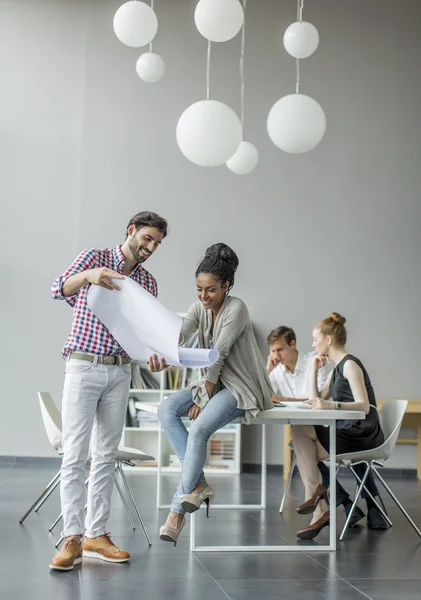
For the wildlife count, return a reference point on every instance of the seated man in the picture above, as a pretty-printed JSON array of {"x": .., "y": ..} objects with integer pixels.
[{"x": 289, "y": 373}]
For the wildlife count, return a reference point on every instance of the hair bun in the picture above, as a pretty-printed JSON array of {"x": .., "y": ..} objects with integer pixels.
[
  {"x": 223, "y": 252},
  {"x": 337, "y": 318}
]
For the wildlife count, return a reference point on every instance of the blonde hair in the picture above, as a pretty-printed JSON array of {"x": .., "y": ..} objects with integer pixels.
[{"x": 334, "y": 326}]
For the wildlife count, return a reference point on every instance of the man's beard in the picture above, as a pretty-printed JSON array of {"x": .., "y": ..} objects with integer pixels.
[{"x": 138, "y": 256}]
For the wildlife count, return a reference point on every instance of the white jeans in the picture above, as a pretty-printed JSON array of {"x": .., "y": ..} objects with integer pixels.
[{"x": 94, "y": 397}]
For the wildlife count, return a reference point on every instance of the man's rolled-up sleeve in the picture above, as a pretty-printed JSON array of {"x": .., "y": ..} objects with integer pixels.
[{"x": 85, "y": 260}]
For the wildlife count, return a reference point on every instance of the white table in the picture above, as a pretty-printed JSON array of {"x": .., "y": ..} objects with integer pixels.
[{"x": 277, "y": 416}]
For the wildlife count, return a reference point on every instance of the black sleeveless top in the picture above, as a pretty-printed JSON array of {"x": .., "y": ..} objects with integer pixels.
[{"x": 365, "y": 433}]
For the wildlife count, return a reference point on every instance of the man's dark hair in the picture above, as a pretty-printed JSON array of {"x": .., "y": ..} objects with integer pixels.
[
  {"x": 283, "y": 331},
  {"x": 148, "y": 219}
]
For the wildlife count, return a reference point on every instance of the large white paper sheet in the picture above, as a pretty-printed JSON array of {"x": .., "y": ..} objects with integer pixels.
[{"x": 143, "y": 326}]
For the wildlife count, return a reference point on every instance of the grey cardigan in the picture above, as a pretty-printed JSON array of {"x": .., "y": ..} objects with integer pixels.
[{"x": 240, "y": 366}]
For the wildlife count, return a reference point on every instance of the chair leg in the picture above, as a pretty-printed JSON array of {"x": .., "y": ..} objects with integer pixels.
[
  {"x": 59, "y": 518},
  {"x": 398, "y": 504},
  {"x": 129, "y": 491},
  {"x": 382, "y": 503},
  {"x": 381, "y": 508},
  {"x": 354, "y": 503},
  {"x": 123, "y": 499},
  {"x": 288, "y": 483},
  {"x": 47, "y": 495},
  {"x": 61, "y": 514},
  {"x": 40, "y": 498}
]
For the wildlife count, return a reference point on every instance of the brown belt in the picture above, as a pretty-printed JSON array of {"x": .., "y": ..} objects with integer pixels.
[{"x": 103, "y": 360}]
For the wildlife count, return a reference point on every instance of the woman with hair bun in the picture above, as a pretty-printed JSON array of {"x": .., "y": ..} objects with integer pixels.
[
  {"x": 348, "y": 387},
  {"x": 235, "y": 386}
]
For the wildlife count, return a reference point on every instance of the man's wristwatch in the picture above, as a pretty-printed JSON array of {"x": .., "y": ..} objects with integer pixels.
[{"x": 339, "y": 406}]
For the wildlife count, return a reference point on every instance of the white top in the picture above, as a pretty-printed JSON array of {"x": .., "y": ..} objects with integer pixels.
[{"x": 296, "y": 384}]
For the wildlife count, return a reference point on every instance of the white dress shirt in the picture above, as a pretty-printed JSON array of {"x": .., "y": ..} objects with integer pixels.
[{"x": 296, "y": 384}]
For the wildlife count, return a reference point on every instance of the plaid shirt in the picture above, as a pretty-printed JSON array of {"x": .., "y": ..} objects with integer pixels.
[{"x": 88, "y": 334}]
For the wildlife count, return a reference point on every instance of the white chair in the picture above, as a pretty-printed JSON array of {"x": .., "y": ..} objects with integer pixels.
[
  {"x": 391, "y": 415},
  {"x": 52, "y": 422},
  {"x": 53, "y": 425},
  {"x": 291, "y": 473}
]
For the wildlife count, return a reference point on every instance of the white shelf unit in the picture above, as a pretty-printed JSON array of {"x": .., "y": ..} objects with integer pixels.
[{"x": 226, "y": 441}]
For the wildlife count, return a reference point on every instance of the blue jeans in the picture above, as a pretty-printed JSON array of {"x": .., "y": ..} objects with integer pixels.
[{"x": 191, "y": 446}]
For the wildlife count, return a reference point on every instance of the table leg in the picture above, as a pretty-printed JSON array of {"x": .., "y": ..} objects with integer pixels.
[
  {"x": 419, "y": 448},
  {"x": 193, "y": 532},
  {"x": 263, "y": 477},
  {"x": 332, "y": 487},
  {"x": 290, "y": 548},
  {"x": 158, "y": 474},
  {"x": 287, "y": 451}
]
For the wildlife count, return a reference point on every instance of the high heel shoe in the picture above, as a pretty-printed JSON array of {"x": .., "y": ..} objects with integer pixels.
[
  {"x": 312, "y": 531},
  {"x": 311, "y": 504},
  {"x": 170, "y": 534},
  {"x": 192, "y": 502}
]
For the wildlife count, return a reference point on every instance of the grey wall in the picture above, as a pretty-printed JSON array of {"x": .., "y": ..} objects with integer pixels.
[{"x": 85, "y": 144}]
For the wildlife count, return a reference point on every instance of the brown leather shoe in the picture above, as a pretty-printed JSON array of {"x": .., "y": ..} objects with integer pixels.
[
  {"x": 310, "y": 505},
  {"x": 69, "y": 556},
  {"x": 102, "y": 547},
  {"x": 312, "y": 531}
]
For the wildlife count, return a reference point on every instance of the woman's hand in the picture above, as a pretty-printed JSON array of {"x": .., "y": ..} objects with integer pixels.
[
  {"x": 320, "y": 404},
  {"x": 194, "y": 412},
  {"x": 155, "y": 365},
  {"x": 319, "y": 361}
]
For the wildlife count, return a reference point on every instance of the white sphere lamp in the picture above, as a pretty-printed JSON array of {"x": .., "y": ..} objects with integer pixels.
[
  {"x": 219, "y": 20},
  {"x": 245, "y": 159},
  {"x": 296, "y": 123},
  {"x": 135, "y": 24},
  {"x": 150, "y": 67},
  {"x": 301, "y": 39},
  {"x": 208, "y": 133}
]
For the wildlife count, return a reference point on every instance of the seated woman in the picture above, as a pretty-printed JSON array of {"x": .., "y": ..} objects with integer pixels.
[
  {"x": 350, "y": 388},
  {"x": 235, "y": 386}
]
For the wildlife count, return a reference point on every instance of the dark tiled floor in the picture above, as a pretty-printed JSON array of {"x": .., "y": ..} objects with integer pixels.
[{"x": 376, "y": 565}]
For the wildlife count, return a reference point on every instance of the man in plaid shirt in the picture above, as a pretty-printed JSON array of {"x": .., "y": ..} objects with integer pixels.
[{"x": 96, "y": 389}]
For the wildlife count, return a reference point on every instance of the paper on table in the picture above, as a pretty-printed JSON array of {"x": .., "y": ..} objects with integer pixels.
[
  {"x": 297, "y": 405},
  {"x": 143, "y": 326}
]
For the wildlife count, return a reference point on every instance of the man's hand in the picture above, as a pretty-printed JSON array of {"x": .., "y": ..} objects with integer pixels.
[
  {"x": 194, "y": 412},
  {"x": 103, "y": 277},
  {"x": 271, "y": 364},
  {"x": 155, "y": 365},
  {"x": 279, "y": 399}
]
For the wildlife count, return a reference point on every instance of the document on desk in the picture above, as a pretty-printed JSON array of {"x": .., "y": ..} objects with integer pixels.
[
  {"x": 296, "y": 405},
  {"x": 143, "y": 326}
]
